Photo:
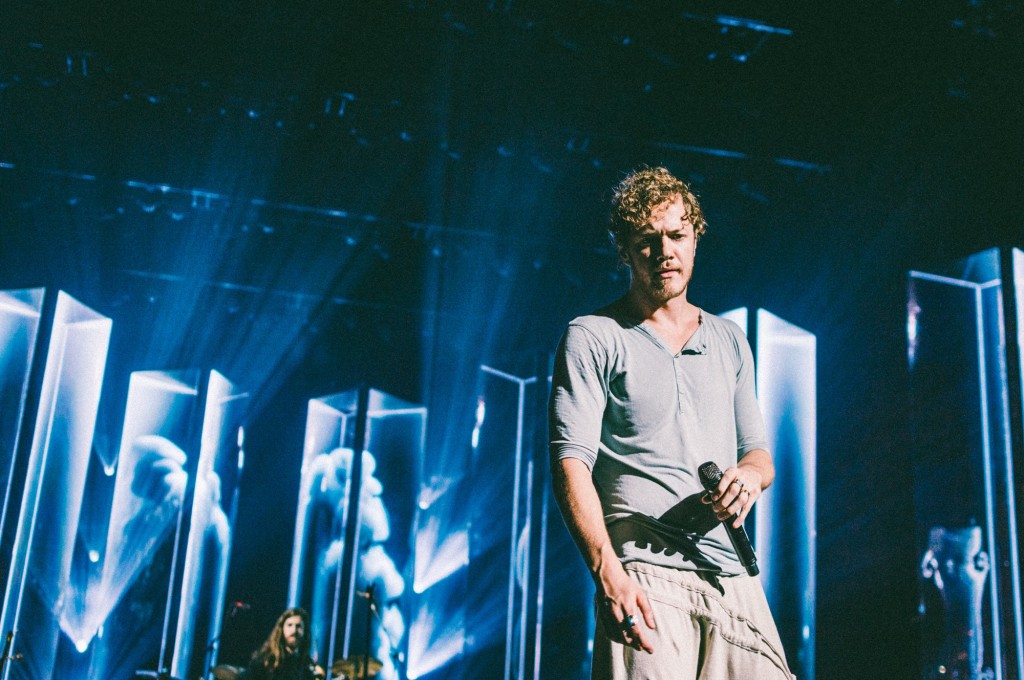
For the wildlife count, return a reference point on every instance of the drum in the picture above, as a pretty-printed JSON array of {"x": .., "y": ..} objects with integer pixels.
[
  {"x": 226, "y": 672},
  {"x": 352, "y": 668}
]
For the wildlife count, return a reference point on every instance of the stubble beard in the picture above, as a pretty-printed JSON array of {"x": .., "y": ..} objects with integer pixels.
[{"x": 659, "y": 291}]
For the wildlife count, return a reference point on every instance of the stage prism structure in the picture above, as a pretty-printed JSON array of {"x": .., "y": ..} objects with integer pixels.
[
  {"x": 54, "y": 483},
  {"x": 784, "y": 528},
  {"x": 361, "y": 465},
  {"x": 964, "y": 340},
  {"x": 20, "y": 315},
  {"x": 117, "y": 562}
]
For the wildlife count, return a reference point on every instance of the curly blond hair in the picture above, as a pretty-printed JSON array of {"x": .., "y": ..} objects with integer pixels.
[{"x": 642, "y": 190}]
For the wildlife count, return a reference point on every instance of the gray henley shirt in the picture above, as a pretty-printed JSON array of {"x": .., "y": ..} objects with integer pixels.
[{"x": 643, "y": 419}]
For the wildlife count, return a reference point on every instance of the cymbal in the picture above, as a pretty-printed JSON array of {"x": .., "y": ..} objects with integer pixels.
[
  {"x": 352, "y": 667},
  {"x": 225, "y": 672}
]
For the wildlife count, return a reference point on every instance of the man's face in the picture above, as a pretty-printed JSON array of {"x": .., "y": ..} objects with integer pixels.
[
  {"x": 660, "y": 256},
  {"x": 293, "y": 630}
]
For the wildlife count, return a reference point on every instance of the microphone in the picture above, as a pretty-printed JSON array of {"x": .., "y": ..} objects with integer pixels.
[{"x": 710, "y": 476}]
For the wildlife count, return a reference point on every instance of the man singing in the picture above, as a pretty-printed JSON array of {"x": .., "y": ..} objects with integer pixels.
[
  {"x": 285, "y": 653},
  {"x": 644, "y": 391}
]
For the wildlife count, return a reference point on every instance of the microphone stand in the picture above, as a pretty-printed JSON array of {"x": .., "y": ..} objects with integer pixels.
[
  {"x": 372, "y": 612},
  {"x": 209, "y": 656},
  {"x": 7, "y": 656},
  {"x": 214, "y": 643},
  {"x": 396, "y": 654},
  {"x": 371, "y": 609}
]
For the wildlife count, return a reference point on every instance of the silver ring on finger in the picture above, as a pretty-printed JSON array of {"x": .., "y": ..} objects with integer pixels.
[{"x": 629, "y": 622}]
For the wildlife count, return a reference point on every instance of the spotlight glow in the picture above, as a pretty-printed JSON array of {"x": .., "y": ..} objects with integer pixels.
[
  {"x": 429, "y": 494},
  {"x": 429, "y": 652},
  {"x": 913, "y": 311},
  {"x": 437, "y": 561},
  {"x": 481, "y": 413}
]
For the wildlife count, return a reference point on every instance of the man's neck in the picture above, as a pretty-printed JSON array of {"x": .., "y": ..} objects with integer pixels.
[
  {"x": 674, "y": 321},
  {"x": 673, "y": 312}
]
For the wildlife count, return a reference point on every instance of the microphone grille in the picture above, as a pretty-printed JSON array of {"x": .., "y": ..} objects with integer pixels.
[{"x": 710, "y": 475}]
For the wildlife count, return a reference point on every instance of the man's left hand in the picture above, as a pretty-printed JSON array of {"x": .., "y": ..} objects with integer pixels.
[{"x": 737, "y": 491}]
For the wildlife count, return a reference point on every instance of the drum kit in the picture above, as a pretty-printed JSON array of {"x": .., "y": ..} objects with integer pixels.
[
  {"x": 356, "y": 668},
  {"x": 353, "y": 668}
]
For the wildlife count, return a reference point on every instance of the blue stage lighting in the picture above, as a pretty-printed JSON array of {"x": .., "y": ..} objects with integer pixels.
[
  {"x": 40, "y": 576},
  {"x": 20, "y": 312},
  {"x": 784, "y": 523},
  {"x": 205, "y": 574},
  {"x": 962, "y": 425},
  {"x": 438, "y": 557},
  {"x": 149, "y": 491},
  {"x": 433, "y": 646}
]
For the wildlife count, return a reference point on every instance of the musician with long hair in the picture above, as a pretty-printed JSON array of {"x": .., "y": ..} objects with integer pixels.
[{"x": 285, "y": 653}]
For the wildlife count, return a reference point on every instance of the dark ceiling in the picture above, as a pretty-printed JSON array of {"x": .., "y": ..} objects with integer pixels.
[{"x": 404, "y": 116}]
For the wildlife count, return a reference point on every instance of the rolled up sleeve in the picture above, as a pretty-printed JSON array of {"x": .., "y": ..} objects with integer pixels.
[{"x": 578, "y": 397}]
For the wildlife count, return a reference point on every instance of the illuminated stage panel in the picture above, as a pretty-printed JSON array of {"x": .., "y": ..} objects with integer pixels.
[
  {"x": 1017, "y": 256},
  {"x": 437, "y": 635},
  {"x": 322, "y": 514},
  {"x": 395, "y": 436},
  {"x": 784, "y": 527},
  {"x": 504, "y": 581},
  {"x": 19, "y": 324},
  {"x": 123, "y": 620},
  {"x": 785, "y": 523},
  {"x": 330, "y": 579},
  {"x": 437, "y": 601},
  {"x": 965, "y": 503},
  {"x": 214, "y": 503},
  {"x": 54, "y": 485}
]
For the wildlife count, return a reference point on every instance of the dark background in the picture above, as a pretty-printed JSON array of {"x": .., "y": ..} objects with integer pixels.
[{"x": 310, "y": 195}]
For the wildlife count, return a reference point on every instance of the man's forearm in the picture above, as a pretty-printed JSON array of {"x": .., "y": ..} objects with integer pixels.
[
  {"x": 620, "y": 600},
  {"x": 581, "y": 508},
  {"x": 760, "y": 461}
]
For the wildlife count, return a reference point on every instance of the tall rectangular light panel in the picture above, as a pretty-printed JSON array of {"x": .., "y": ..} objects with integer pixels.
[
  {"x": 54, "y": 484},
  {"x": 322, "y": 515},
  {"x": 360, "y": 475},
  {"x": 385, "y": 530},
  {"x": 501, "y": 569},
  {"x": 212, "y": 508},
  {"x": 784, "y": 528},
  {"x": 122, "y": 621},
  {"x": 20, "y": 312},
  {"x": 964, "y": 386}
]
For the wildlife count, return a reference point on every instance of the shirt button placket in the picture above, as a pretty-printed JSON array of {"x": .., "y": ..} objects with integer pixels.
[{"x": 677, "y": 365}]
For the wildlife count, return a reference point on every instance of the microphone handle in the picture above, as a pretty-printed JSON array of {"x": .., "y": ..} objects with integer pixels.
[
  {"x": 710, "y": 475},
  {"x": 741, "y": 544}
]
